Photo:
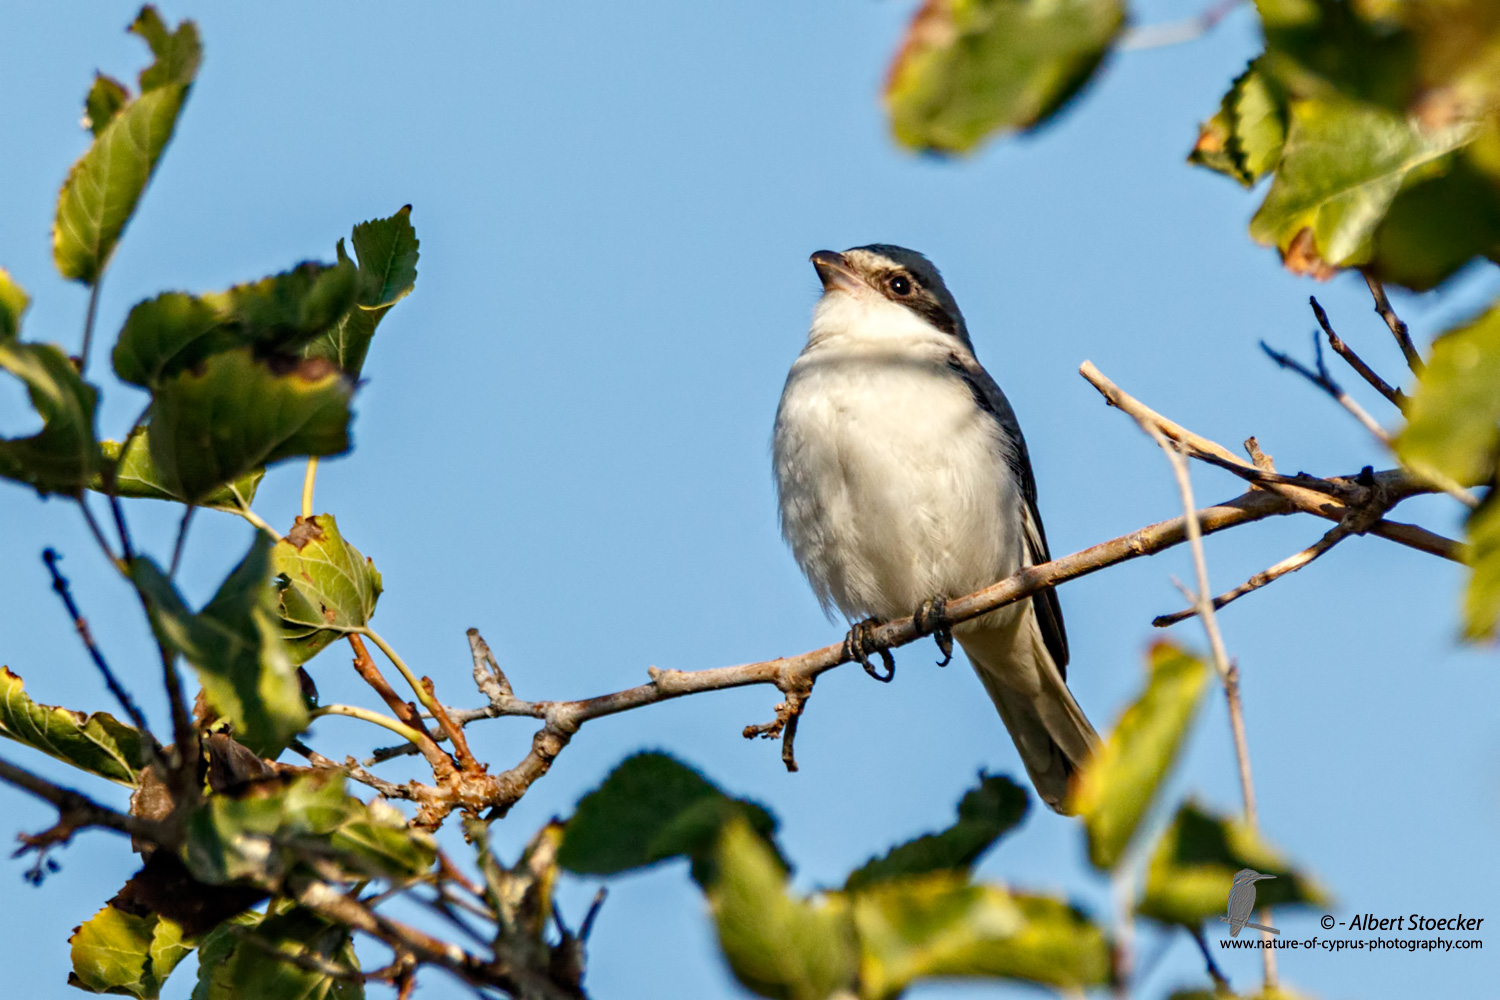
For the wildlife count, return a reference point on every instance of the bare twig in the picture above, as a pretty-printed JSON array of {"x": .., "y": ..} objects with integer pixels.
[
  {"x": 1323, "y": 379},
  {"x": 1398, "y": 328},
  {"x": 77, "y": 811},
  {"x": 1290, "y": 564},
  {"x": 181, "y": 543},
  {"x": 488, "y": 676},
  {"x": 1306, "y": 493},
  {"x": 88, "y": 323},
  {"x": 1343, "y": 350},
  {"x": 1228, "y": 672},
  {"x": 1221, "y": 982},
  {"x": 60, "y": 585},
  {"x": 1261, "y": 460},
  {"x": 1156, "y": 36}
]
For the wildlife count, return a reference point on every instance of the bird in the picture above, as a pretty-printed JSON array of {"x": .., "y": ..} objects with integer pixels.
[
  {"x": 1242, "y": 902},
  {"x": 903, "y": 480}
]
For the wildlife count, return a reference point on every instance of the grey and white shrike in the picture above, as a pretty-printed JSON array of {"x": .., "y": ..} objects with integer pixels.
[{"x": 903, "y": 478}]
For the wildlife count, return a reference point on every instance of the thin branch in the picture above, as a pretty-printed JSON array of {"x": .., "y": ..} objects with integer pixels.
[
  {"x": 88, "y": 323},
  {"x": 1228, "y": 672},
  {"x": 1290, "y": 564},
  {"x": 1330, "y": 499},
  {"x": 180, "y": 544},
  {"x": 1323, "y": 379},
  {"x": 510, "y": 976},
  {"x": 488, "y": 676},
  {"x": 1343, "y": 350},
  {"x": 77, "y": 811},
  {"x": 1156, "y": 36},
  {"x": 60, "y": 585},
  {"x": 1221, "y": 982},
  {"x": 1398, "y": 328},
  {"x": 420, "y": 689},
  {"x": 98, "y": 533}
]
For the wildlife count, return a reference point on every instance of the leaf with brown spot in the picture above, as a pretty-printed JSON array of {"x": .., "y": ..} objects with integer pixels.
[{"x": 324, "y": 586}]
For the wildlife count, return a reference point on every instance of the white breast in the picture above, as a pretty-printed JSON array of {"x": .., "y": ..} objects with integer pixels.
[{"x": 894, "y": 484}]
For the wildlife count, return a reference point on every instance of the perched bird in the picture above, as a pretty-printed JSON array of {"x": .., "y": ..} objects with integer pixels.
[
  {"x": 1242, "y": 902},
  {"x": 903, "y": 480}
]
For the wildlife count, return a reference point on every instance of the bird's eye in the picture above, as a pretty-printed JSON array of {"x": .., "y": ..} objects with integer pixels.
[{"x": 901, "y": 285}]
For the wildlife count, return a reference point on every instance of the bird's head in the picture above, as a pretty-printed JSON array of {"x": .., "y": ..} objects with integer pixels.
[
  {"x": 1247, "y": 875},
  {"x": 880, "y": 292}
]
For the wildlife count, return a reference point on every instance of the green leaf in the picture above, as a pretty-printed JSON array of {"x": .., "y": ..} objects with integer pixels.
[
  {"x": 176, "y": 331},
  {"x": 1343, "y": 164},
  {"x": 1453, "y": 423},
  {"x": 164, "y": 335},
  {"x": 286, "y": 310},
  {"x": 178, "y": 53},
  {"x": 985, "y": 814},
  {"x": 264, "y": 834},
  {"x": 1244, "y": 139},
  {"x": 1120, "y": 784},
  {"x": 97, "y": 743},
  {"x": 235, "y": 967},
  {"x": 125, "y": 953},
  {"x": 105, "y": 99},
  {"x": 63, "y": 456},
  {"x": 970, "y": 68},
  {"x": 104, "y": 186},
  {"x": 13, "y": 304},
  {"x": 137, "y": 477},
  {"x": 650, "y": 807},
  {"x": 939, "y": 925},
  {"x": 1437, "y": 226},
  {"x": 236, "y": 413},
  {"x": 235, "y": 646},
  {"x": 777, "y": 944},
  {"x": 388, "y": 252},
  {"x": 1193, "y": 866},
  {"x": 325, "y": 587}
]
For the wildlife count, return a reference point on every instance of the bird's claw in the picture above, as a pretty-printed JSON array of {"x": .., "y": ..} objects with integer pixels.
[
  {"x": 857, "y": 647},
  {"x": 932, "y": 619}
]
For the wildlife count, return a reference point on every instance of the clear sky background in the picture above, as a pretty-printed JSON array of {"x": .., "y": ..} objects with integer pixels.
[{"x": 564, "y": 436}]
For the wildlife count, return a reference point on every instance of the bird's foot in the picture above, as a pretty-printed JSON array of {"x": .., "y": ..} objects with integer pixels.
[
  {"x": 857, "y": 646},
  {"x": 932, "y": 619}
]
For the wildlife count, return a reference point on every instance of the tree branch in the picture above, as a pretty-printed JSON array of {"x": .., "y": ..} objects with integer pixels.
[
  {"x": 1398, "y": 328},
  {"x": 1343, "y": 350}
]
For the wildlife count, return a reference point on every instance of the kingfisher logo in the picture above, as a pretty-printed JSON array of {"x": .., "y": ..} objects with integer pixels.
[{"x": 1242, "y": 902}]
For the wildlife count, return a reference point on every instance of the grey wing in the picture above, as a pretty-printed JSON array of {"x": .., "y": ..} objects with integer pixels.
[{"x": 991, "y": 399}]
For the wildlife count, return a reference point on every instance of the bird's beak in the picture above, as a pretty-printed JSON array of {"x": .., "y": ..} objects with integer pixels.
[
  {"x": 1259, "y": 877},
  {"x": 834, "y": 271}
]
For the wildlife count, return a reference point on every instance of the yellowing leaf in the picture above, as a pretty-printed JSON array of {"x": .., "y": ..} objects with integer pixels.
[
  {"x": 970, "y": 68},
  {"x": 777, "y": 944},
  {"x": 97, "y": 743},
  {"x": 940, "y": 926},
  {"x": 324, "y": 586},
  {"x": 1341, "y": 167},
  {"x": 1192, "y": 868},
  {"x": 1119, "y": 785}
]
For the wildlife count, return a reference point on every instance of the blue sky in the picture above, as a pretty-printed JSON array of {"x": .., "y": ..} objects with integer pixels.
[{"x": 564, "y": 435}]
